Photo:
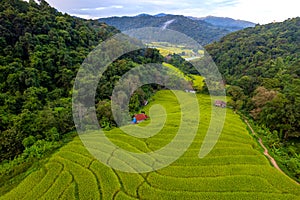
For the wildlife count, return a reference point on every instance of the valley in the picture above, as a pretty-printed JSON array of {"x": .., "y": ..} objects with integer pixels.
[{"x": 239, "y": 131}]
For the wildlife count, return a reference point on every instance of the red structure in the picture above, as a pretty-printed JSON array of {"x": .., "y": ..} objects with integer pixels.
[{"x": 141, "y": 117}]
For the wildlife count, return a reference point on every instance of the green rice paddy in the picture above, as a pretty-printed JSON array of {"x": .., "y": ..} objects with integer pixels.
[
  {"x": 166, "y": 48},
  {"x": 234, "y": 169}
]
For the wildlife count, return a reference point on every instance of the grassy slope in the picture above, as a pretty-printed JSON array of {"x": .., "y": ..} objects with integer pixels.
[
  {"x": 196, "y": 79},
  {"x": 235, "y": 169},
  {"x": 168, "y": 48},
  {"x": 177, "y": 72}
]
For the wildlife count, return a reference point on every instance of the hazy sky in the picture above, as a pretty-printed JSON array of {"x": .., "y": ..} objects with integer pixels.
[{"x": 257, "y": 11}]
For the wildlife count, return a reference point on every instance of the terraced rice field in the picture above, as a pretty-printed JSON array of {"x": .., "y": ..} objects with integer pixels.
[
  {"x": 234, "y": 169},
  {"x": 166, "y": 48},
  {"x": 176, "y": 72},
  {"x": 196, "y": 79}
]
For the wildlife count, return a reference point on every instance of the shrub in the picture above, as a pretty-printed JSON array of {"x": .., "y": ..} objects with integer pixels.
[{"x": 29, "y": 141}]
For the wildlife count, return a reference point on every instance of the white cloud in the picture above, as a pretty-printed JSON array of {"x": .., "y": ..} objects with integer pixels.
[
  {"x": 117, "y": 6},
  {"x": 258, "y": 11},
  {"x": 261, "y": 11},
  {"x": 102, "y": 8}
]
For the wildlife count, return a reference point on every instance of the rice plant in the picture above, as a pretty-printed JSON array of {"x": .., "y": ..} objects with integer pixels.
[{"x": 234, "y": 169}]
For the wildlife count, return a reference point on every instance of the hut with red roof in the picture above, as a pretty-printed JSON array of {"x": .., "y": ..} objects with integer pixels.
[{"x": 141, "y": 117}]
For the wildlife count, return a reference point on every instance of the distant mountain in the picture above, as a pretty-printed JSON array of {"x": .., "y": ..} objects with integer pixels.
[
  {"x": 160, "y": 15},
  {"x": 226, "y": 23},
  {"x": 143, "y": 15},
  {"x": 204, "y": 30},
  {"x": 201, "y": 31}
]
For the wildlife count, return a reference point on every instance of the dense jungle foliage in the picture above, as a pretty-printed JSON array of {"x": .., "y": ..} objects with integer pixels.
[
  {"x": 41, "y": 52},
  {"x": 262, "y": 65}
]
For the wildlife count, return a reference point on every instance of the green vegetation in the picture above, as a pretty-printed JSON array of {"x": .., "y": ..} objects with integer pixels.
[
  {"x": 227, "y": 23},
  {"x": 41, "y": 52},
  {"x": 166, "y": 49},
  {"x": 177, "y": 72},
  {"x": 202, "y": 32},
  {"x": 235, "y": 168},
  {"x": 197, "y": 81},
  {"x": 262, "y": 66}
]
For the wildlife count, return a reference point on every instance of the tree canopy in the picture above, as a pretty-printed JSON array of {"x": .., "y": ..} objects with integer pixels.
[
  {"x": 264, "y": 63},
  {"x": 41, "y": 50}
]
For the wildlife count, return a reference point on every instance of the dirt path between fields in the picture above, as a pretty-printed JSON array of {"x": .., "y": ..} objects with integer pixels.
[{"x": 266, "y": 153}]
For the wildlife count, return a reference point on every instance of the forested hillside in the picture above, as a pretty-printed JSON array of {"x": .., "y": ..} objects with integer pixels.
[
  {"x": 226, "y": 23},
  {"x": 202, "y": 32},
  {"x": 262, "y": 65},
  {"x": 41, "y": 52}
]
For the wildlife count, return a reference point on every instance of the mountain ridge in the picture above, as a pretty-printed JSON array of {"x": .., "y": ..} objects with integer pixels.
[
  {"x": 227, "y": 22},
  {"x": 201, "y": 31}
]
